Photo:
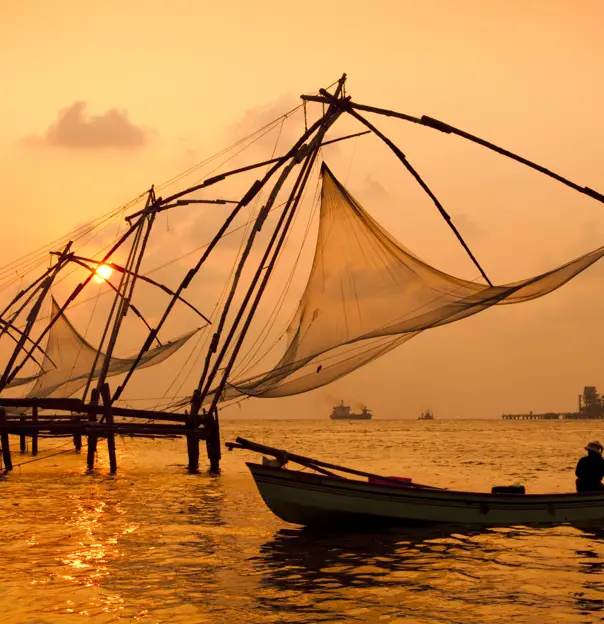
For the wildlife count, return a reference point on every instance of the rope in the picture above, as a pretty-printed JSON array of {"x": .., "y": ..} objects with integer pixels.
[{"x": 31, "y": 461}]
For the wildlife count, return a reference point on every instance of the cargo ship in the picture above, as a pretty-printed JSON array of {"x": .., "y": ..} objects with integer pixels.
[
  {"x": 427, "y": 415},
  {"x": 342, "y": 412}
]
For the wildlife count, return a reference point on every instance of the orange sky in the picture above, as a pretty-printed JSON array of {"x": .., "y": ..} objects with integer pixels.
[{"x": 526, "y": 75}]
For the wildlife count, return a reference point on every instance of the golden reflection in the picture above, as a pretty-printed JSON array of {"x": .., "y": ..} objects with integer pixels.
[{"x": 90, "y": 562}]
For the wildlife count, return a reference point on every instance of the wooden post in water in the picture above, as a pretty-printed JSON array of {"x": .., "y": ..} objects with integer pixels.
[
  {"x": 192, "y": 444},
  {"x": 213, "y": 441},
  {"x": 34, "y": 434},
  {"x": 92, "y": 439},
  {"x": 77, "y": 442},
  {"x": 22, "y": 440},
  {"x": 192, "y": 422},
  {"x": 8, "y": 463},
  {"x": 106, "y": 396}
]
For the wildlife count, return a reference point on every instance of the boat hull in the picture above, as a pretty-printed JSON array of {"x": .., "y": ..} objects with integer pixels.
[
  {"x": 351, "y": 417},
  {"x": 309, "y": 499}
]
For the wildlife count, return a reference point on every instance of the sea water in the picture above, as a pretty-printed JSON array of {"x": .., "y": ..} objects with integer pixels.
[{"x": 154, "y": 544}]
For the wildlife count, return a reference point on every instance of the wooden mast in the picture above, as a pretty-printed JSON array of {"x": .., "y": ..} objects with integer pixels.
[
  {"x": 77, "y": 290},
  {"x": 7, "y": 375},
  {"x": 251, "y": 193},
  {"x": 118, "y": 312},
  {"x": 307, "y": 157}
]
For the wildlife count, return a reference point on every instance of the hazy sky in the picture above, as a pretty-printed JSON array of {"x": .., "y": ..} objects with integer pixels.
[{"x": 99, "y": 103}]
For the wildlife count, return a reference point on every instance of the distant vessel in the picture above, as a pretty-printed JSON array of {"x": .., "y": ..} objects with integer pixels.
[
  {"x": 342, "y": 412},
  {"x": 427, "y": 415}
]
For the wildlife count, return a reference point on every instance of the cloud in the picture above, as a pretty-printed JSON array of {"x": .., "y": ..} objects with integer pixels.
[
  {"x": 74, "y": 129},
  {"x": 375, "y": 189},
  {"x": 468, "y": 226}
]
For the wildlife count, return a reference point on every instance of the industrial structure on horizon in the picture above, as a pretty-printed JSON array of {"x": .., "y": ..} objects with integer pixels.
[{"x": 591, "y": 407}]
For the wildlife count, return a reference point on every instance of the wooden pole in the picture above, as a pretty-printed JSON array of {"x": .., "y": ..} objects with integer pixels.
[
  {"x": 77, "y": 442},
  {"x": 78, "y": 289},
  {"x": 92, "y": 439},
  {"x": 284, "y": 456},
  {"x": 22, "y": 440},
  {"x": 213, "y": 441},
  {"x": 10, "y": 371},
  {"x": 192, "y": 440},
  {"x": 254, "y": 189},
  {"x": 399, "y": 154},
  {"x": 263, "y": 271},
  {"x": 106, "y": 395},
  {"x": 34, "y": 435},
  {"x": 8, "y": 463}
]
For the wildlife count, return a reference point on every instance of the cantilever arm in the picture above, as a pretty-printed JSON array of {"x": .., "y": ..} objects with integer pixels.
[
  {"x": 8, "y": 326},
  {"x": 435, "y": 124},
  {"x": 415, "y": 174},
  {"x": 163, "y": 204},
  {"x": 131, "y": 305},
  {"x": 80, "y": 260}
]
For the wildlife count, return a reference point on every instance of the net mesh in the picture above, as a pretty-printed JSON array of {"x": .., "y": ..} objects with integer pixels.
[
  {"x": 69, "y": 359},
  {"x": 368, "y": 294}
]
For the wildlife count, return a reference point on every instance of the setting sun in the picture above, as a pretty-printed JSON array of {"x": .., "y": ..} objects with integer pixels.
[{"x": 102, "y": 273}]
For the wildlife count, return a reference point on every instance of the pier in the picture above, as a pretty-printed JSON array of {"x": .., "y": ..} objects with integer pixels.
[
  {"x": 531, "y": 416},
  {"x": 94, "y": 421},
  {"x": 591, "y": 407}
]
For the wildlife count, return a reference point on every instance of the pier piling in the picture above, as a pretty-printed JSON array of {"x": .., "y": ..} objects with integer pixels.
[
  {"x": 8, "y": 463},
  {"x": 34, "y": 433},
  {"x": 22, "y": 440},
  {"x": 192, "y": 444},
  {"x": 106, "y": 396},
  {"x": 92, "y": 439},
  {"x": 77, "y": 442}
]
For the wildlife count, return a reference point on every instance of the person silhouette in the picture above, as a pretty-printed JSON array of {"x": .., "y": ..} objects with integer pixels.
[{"x": 590, "y": 469}]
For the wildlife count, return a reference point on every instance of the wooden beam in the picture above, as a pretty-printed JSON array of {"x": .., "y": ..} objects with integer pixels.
[{"x": 285, "y": 456}]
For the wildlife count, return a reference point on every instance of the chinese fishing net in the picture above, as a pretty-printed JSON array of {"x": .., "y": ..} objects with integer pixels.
[
  {"x": 69, "y": 359},
  {"x": 368, "y": 294}
]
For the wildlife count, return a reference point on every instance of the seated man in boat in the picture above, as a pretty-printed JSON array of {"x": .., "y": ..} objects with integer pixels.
[{"x": 590, "y": 469}]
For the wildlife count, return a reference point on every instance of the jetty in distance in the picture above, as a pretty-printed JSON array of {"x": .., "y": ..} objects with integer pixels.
[{"x": 591, "y": 407}]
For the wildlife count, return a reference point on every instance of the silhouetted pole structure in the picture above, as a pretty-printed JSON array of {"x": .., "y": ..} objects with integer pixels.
[
  {"x": 8, "y": 463},
  {"x": 106, "y": 396},
  {"x": 34, "y": 435},
  {"x": 92, "y": 439}
]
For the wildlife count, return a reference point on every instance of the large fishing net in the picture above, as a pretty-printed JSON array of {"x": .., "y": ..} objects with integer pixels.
[
  {"x": 367, "y": 294},
  {"x": 69, "y": 359}
]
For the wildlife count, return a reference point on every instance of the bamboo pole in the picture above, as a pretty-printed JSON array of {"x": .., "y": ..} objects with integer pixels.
[
  {"x": 399, "y": 154},
  {"x": 11, "y": 370},
  {"x": 164, "y": 205},
  {"x": 274, "y": 246},
  {"x": 77, "y": 290},
  {"x": 285, "y": 456},
  {"x": 435, "y": 124},
  {"x": 254, "y": 189}
]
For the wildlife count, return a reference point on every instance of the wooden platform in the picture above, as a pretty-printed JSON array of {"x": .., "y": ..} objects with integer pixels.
[{"x": 74, "y": 418}]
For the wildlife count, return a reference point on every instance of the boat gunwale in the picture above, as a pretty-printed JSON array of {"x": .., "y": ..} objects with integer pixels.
[{"x": 432, "y": 495}]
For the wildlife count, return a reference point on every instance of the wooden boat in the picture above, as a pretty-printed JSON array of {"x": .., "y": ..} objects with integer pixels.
[{"x": 322, "y": 499}]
